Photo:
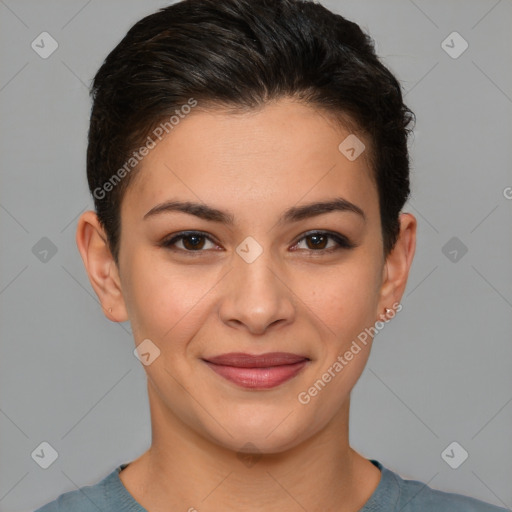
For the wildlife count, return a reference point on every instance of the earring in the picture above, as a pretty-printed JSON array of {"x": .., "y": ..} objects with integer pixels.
[{"x": 387, "y": 311}]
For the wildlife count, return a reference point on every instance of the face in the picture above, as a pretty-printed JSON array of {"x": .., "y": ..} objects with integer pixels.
[{"x": 253, "y": 268}]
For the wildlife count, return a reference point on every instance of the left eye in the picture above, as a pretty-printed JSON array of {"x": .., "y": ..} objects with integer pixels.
[{"x": 319, "y": 239}]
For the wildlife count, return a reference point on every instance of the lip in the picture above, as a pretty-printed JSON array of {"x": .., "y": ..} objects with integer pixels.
[{"x": 264, "y": 371}]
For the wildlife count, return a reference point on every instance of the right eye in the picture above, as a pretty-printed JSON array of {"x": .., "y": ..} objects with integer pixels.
[{"x": 191, "y": 241}]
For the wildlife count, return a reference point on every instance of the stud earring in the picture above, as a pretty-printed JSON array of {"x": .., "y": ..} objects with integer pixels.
[{"x": 387, "y": 311}]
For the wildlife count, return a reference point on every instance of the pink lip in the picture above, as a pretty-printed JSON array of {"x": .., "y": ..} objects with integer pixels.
[{"x": 263, "y": 371}]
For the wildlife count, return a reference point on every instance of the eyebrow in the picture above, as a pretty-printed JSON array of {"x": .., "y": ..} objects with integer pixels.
[{"x": 293, "y": 214}]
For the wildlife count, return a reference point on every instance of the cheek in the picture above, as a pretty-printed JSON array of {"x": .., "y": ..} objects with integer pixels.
[
  {"x": 343, "y": 298},
  {"x": 166, "y": 300}
]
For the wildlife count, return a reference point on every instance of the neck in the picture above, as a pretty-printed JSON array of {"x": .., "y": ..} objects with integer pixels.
[{"x": 184, "y": 471}]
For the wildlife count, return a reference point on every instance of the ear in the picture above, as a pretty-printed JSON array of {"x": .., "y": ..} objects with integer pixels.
[
  {"x": 397, "y": 265},
  {"x": 100, "y": 266}
]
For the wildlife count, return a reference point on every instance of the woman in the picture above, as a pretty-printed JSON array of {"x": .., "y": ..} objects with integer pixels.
[{"x": 249, "y": 165}]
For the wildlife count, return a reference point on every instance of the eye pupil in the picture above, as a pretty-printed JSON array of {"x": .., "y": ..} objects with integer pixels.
[
  {"x": 320, "y": 240},
  {"x": 194, "y": 245}
]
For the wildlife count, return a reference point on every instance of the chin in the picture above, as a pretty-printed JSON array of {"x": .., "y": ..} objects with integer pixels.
[{"x": 263, "y": 433}]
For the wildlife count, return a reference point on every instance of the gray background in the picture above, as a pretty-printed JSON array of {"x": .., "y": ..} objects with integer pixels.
[{"x": 439, "y": 372}]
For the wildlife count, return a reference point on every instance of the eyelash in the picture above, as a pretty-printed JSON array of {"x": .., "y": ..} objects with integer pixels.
[{"x": 341, "y": 241}]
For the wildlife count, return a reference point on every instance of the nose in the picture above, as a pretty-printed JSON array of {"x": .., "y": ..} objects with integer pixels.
[{"x": 256, "y": 297}]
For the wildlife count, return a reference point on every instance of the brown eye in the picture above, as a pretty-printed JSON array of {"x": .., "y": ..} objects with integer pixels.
[
  {"x": 190, "y": 242},
  {"x": 193, "y": 242},
  {"x": 318, "y": 242}
]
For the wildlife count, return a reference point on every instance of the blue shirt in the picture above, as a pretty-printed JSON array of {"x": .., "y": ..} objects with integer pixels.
[{"x": 393, "y": 494}]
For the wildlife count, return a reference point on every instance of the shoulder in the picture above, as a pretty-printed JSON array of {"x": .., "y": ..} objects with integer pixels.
[
  {"x": 90, "y": 498},
  {"x": 416, "y": 496}
]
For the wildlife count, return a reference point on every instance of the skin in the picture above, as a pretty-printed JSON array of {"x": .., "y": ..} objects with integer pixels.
[{"x": 293, "y": 298}]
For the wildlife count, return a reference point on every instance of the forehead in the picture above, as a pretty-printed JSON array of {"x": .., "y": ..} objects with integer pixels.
[{"x": 276, "y": 155}]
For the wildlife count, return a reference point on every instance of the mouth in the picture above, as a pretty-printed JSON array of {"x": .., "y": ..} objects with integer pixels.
[{"x": 263, "y": 371}]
